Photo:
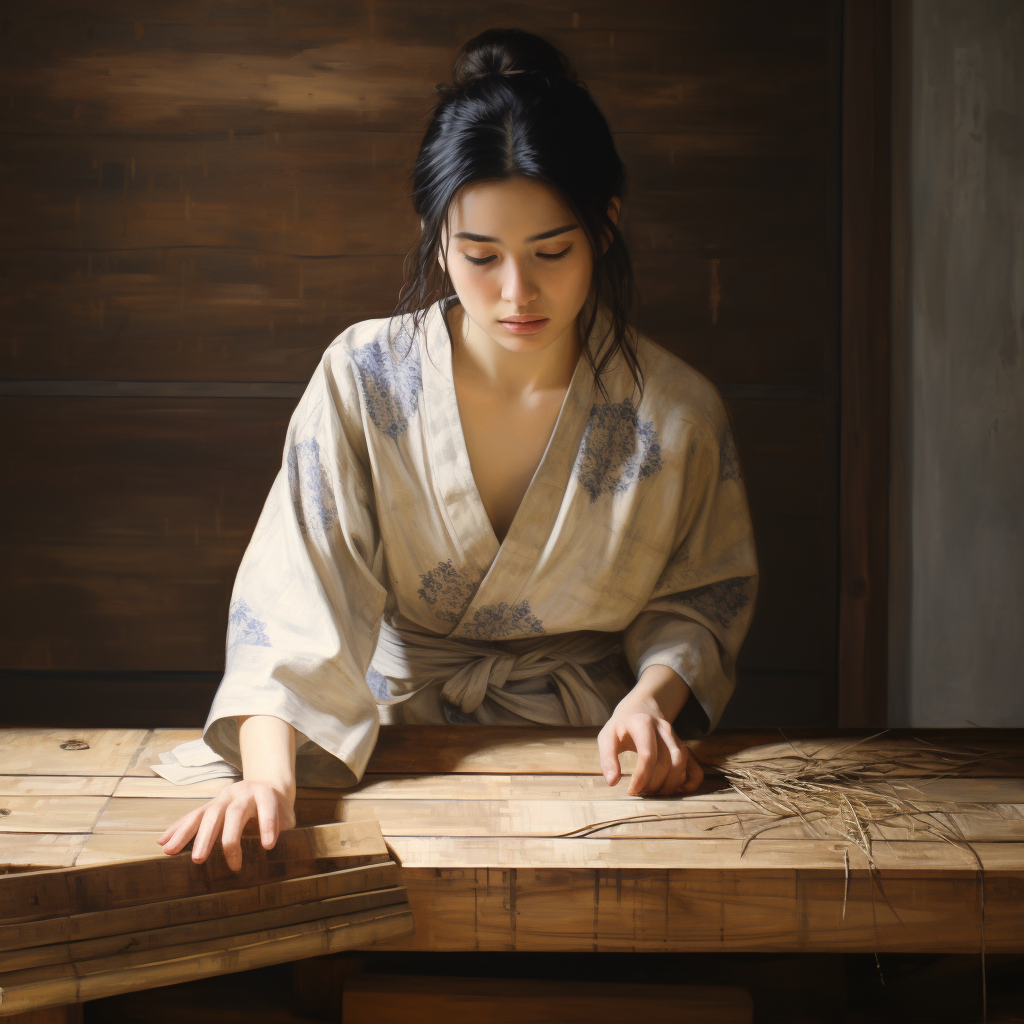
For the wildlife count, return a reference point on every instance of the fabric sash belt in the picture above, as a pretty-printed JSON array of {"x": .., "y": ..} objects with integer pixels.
[{"x": 473, "y": 670}]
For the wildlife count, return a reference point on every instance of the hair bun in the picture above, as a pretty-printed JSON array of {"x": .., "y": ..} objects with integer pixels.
[{"x": 509, "y": 51}]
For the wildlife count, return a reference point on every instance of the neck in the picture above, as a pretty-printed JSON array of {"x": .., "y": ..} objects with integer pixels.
[{"x": 479, "y": 358}]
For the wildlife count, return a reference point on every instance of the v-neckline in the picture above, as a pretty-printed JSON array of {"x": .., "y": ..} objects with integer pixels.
[
  {"x": 455, "y": 474},
  {"x": 463, "y": 446}
]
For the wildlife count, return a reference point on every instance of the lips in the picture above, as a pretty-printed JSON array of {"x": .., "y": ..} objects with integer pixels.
[{"x": 522, "y": 319}]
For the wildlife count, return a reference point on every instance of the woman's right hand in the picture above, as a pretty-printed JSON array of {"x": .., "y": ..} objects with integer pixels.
[{"x": 225, "y": 816}]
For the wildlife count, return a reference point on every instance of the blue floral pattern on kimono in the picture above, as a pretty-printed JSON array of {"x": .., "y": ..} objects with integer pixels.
[
  {"x": 310, "y": 488},
  {"x": 391, "y": 388},
  {"x": 244, "y": 627},
  {"x": 617, "y": 450},
  {"x": 447, "y": 590},
  {"x": 500, "y": 620},
  {"x": 378, "y": 683},
  {"x": 721, "y": 601}
]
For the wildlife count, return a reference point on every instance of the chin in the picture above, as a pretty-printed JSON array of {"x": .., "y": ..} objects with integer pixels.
[{"x": 526, "y": 343}]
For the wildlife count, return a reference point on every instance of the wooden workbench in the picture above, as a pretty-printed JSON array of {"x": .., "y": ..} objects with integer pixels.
[{"x": 479, "y": 818}]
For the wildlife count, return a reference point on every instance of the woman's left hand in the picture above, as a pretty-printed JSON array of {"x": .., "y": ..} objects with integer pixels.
[{"x": 664, "y": 763}]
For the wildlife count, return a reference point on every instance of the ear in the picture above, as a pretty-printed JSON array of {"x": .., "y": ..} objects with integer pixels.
[{"x": 614, "y": 207}]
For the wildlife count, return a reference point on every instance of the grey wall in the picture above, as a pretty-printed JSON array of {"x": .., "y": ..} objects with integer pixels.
[{"x": 958, "y": 623}]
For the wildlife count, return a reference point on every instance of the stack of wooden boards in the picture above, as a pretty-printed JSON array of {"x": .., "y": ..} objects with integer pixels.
[{"x": 74, "y": 934}]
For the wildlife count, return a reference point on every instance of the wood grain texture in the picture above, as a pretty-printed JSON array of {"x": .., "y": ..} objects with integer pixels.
[
  {"x": 643, "y": 909},
  {"x": 86, "y": 752},
  {"x": 186, "y": 935},
  {"x": 172, "y": 913},
  {"x": 469, "y": 815},
  {"x": 34, "y": 896},
  {"x": 213, "y": 195},
  {"x": 671, "y": 68},
  {"x": 129, "y": 972}
]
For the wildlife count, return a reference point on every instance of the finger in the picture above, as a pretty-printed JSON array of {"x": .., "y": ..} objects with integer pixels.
[
  {"x": 266, "y": 812},
  {"x": 235, "y": 817},
  {"x": 608, "y": 753},
  {"x": 694, "y": 774},
  {"x": 676, "y": 774},
  {"x": 181, "y": 831},
  {"x": 208, "y": 829},
  {"x": 645, "y": 738},
  {"x": 180, "y": 838},
  {"x": 662, "y": 764}
]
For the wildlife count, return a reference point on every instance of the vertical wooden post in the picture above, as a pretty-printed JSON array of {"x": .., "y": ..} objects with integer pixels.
[{"x": 864, "y": 362}]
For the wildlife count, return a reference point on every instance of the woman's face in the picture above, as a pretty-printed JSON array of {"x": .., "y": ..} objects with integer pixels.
[{"x": 519, "y": 262}]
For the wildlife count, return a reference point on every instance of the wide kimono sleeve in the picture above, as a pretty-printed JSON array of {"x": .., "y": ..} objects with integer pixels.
[
  {"x": 701, "y": 607},
  {"x": 307, "y": 600}
]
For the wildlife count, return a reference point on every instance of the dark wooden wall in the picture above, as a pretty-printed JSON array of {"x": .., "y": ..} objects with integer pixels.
[{"x": 198, "y": 197}]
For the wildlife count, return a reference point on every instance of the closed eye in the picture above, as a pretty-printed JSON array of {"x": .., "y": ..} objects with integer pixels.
[{"x": 543, "y": 255}]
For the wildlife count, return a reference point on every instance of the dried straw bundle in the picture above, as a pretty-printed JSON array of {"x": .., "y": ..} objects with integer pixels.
[
  {"x": 834, "y": 791},
  {"x": 844, "y": 790}
]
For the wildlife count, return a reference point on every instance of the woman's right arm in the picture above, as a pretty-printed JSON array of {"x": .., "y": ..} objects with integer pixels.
[{"x": 266, "y": 792}]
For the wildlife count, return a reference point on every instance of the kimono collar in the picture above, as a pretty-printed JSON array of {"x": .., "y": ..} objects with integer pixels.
[{"x": 502, "y": 569}]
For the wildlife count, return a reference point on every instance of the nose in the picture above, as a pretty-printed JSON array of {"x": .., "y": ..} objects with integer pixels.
[{"x": 517, "y": 286}]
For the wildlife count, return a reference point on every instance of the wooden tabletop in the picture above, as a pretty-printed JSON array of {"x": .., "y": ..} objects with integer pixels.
[{"x": 510, "y": 839}]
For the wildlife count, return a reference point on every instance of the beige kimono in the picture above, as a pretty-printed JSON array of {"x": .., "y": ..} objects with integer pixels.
[{"x": 374, "y": 588}]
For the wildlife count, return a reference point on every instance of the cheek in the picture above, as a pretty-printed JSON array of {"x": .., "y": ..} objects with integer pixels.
[
  {"x": 575, "y": 278},
  {"x": 468, "y": 280}
]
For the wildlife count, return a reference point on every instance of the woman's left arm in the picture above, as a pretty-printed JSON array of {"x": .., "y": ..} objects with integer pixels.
[{"x": 684, "y": 643}]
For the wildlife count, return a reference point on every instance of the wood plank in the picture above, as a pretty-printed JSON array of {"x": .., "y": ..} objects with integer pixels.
[
  {"x": 86, "y": 889},
  {"x": 707, "y": 910},
  {"x": 95, "y": 979},
  {"x": 184, "y": 314},
  {"x": 396, "y": 999},
  {"x": 88, "y": 752},
  {"x": 32, "y": 852},
  {"x": 131, "y": 814},
  {"x": 593, "y": 787},
  {"x": 190, "y": 909},
  {"x": 50, "y": 813},
  {"x": 725, "y": 816},
  {"x": 420, "y": 751},
  {"x": 57, "y": 785},
  {"x": 465, "y": 853},
  {"x": 257, "y": 74},
  {"x": 192, "y": 932}
]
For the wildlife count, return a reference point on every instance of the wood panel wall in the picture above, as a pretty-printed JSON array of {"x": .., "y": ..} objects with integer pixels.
[{"x": 200, "y": 197}]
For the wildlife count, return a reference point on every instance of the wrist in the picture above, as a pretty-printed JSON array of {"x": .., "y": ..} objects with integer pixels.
[
  {"x": 660, "y": 691},
  {"x": 267, "y": 746}
]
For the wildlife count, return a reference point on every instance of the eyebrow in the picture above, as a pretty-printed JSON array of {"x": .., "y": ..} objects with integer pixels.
[{"x": 533, "y": 238}]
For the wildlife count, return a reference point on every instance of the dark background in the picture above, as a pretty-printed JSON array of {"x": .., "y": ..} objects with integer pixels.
[{"x": 200, "y": 197}]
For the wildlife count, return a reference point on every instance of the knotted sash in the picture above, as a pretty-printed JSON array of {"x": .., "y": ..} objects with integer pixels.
[{"x": 473, "y": 670}]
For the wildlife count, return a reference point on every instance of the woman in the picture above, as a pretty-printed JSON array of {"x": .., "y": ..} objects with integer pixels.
[{"x": 501, "y": 505}]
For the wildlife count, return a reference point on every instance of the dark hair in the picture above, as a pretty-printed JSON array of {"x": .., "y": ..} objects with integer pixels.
[{"x": 516, "y": 108}]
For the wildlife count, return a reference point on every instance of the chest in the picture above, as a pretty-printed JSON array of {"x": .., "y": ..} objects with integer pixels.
[{"x": 505, "y": 441}]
